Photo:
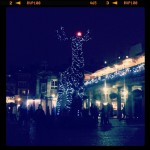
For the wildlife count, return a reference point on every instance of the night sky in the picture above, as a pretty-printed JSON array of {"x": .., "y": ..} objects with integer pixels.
[{"x": 31, "y": 35}]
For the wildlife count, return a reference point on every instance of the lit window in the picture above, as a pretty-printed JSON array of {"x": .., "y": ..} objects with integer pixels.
[{"x": 54, "y": 84}]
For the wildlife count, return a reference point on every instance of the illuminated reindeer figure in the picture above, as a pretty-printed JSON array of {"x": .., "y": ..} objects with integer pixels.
[{"x": 71, "y": 80}]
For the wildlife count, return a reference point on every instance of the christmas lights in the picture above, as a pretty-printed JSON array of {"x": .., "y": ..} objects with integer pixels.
[
  {"x": 120, "y": 73},
  {"x": 72, "y": 80}
]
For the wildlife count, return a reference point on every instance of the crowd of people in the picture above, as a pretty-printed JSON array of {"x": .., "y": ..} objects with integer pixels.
[
  {"x": 24, "y": 116},
  {"x": 37, "y": 121},
  {"x": 105, "y": 113}
]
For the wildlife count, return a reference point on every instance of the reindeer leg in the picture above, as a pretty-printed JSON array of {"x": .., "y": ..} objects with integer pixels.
[
  {"x": 69, "y": 100},
  {"x": 60, "y": 97}
]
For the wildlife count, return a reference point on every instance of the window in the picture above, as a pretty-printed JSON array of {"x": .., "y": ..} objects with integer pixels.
[{"x": 54, "y": 84}]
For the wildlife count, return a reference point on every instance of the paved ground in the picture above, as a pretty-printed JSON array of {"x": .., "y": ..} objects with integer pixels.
[{"x": 119, "y": 133}]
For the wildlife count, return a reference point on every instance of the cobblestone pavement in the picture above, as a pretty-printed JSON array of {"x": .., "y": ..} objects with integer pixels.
[{"x": 119, "y": 133}]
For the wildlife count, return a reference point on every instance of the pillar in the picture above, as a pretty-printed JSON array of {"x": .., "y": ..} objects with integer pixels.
[
  {"x": 90, "y": 101},
  {"x": 48, "y": 86},
  {"x": 38, "y": 87},
  {"x": 130, "y": 103},
  {"x": 119, "y": 104},
  {"x": 44, "y": 106},
  {"x": 50, "y": 105}
]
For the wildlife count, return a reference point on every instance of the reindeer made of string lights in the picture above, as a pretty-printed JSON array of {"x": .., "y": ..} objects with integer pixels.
[{"x": 72, "y": 80}]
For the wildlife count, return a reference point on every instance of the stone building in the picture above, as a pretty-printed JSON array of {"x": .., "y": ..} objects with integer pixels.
[
  {"x": 119, "y": 84},
  {"x": 46, "y": 90}
]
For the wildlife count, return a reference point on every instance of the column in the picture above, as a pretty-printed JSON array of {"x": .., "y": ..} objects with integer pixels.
[
  {"x": 44, "y": 106},
  {"x": 90, "y": 101},
  {"x": 48, "y": 86},
  {"x": 38, "y": 87},
  {"x": 108, "y": 97},
  {"x": 50, "y": 105},
  {"x": 130, "y": 103},
  {"x": 119, "y": 104}
]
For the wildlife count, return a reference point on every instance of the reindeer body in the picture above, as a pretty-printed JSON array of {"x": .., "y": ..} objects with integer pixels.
[{"x": 71, "y": 80}]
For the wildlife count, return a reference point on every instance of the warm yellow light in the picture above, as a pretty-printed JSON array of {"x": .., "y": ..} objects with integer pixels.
[
  {"x": 105, "y": 89},
  {"x": 116, "y": 66},
  {"x": 98, "y": 103},
  {"x": 125, "y": 92},
  {"x": 54, "y": 102},
  {"x": 30, "y": 101},
  {"x": 105, "y": 103},
  {"x": 19, "y": 99},
  {"x": 53, "y": 95},
  {"x": 126, "y": 63}
]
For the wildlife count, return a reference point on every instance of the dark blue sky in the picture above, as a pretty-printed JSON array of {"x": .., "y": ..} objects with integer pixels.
[{"x": 31, "y": 36}]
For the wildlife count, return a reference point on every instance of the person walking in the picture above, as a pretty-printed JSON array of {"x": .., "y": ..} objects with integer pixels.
[
  {"x": 123, "y": 112},
  {"x": 40, "y": 124}
]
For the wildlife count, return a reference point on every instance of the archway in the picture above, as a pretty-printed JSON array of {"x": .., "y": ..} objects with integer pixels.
[{"x": 137, "y": 99}]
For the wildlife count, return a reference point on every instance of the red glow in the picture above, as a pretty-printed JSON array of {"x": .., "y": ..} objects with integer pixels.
[{"x": 79, "y": 34}]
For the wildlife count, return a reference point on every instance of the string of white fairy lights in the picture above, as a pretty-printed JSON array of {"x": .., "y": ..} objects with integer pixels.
[
  {"x": 120, "y": 73},
  {"x": 73, "y": 78}
]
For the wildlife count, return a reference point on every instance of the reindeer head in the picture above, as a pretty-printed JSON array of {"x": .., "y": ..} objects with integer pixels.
[{"x": 78, "y": 38}]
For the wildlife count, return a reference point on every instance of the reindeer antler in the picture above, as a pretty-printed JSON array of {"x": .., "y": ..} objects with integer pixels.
[
  {"x": 61, "y": 35},
  {"x": 86, "y": 37}
]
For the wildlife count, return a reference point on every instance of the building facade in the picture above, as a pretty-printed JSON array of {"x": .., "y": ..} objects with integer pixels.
[
  {"x": 46, "y": 90},
  {"x": 10, "y": 85},
  {"x": 121, "y": 84}
]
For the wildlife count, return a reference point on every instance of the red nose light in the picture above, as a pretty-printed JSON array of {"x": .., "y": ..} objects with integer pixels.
[{"x": 79, "y": 34}]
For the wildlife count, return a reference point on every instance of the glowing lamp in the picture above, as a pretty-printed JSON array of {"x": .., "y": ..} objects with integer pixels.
[{"x": 19, "y": 99}]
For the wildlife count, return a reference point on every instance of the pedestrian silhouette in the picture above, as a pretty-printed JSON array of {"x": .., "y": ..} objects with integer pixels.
[
  {"x": 123, "y": 112},
  {"x": 40, "y": 124}
]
